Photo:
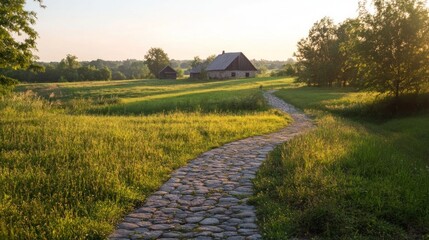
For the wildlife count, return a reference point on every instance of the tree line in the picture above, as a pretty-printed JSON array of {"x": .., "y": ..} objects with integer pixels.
[
  {"x": 70, "y": 69},
  {"x": 386, "y": 49}
]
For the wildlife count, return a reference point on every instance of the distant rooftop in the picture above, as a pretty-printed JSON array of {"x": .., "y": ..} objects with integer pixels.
[{"x": 222, "y": 61}]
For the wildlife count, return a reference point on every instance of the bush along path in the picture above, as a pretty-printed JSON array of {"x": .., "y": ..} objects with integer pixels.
[{"x": 207, "y": 199}]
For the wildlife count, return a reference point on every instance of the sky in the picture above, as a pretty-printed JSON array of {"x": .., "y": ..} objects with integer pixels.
[{"x": 119, "y": 30}]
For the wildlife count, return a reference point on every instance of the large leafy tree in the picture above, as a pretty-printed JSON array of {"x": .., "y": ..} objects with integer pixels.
[
  {"x": 349, "y": 58},
  {"x": 156, "y": 59},
  {"x": 17, "y": 37},
  {"x": 318, "y": 54},
  {"x": 394, "y": 46}
]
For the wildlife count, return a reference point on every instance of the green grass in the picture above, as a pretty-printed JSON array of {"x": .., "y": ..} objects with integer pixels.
[
  {"x": 75, "y": 163},
  {"x": 361, "y": 106},
  {"x": 137, "y": 97},
  {"x": 347, "y": 179},
  {"x": 67, "y": 173}
]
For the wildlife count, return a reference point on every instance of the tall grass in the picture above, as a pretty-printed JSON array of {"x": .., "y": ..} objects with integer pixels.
[
  {"x": 73, "y": 176},
  {"x": 346, "y": 179},
  {"x": 252, "y": 100}
]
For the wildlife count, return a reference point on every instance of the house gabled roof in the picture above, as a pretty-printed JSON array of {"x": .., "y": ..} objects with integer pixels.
[
  {"x": 168, "y": 69},
  {"x": 222, "y": 61},
  {"x": 231, "y": 62}
]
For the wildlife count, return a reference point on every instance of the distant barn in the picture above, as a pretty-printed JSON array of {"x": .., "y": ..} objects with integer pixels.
[
  {"x": 167, "y": 73},
  {"x": 231, "y": 65}
]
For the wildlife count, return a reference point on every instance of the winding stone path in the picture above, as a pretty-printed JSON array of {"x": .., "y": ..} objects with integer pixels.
[{"x": 206, "y": 199}]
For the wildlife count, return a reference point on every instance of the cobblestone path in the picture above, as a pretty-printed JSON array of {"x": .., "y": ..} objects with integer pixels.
[{"x": 206, "y": 199}]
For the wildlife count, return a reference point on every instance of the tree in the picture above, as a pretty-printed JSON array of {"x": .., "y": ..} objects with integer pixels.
[
  {"x": 17, "y": 37},
  {"x": 69, "y": 66},
  {"x": 117, "y": 75},
  {"x": 318, "y": 54},
  {"x": 99, "y": 63},
  {"x": 288, "y": 70},
  {"x": 139, "y": 70},
  {"x": 86, "y": 73},
  {"x": 156, "y": 59},
  {"x": 262, "y": 70},
  {"x": 185, "y": 64},
  {"x": 210, "y": 59},
  {"x": 6, "y": 84},
  {"x": 394, "y": 46},
  {"x": 350, "y": 60},
  {"x": 196, "y": 61},
  {"x": 203, "y": 65},
  {"x": 105, "y": 73},
  {"x": 70, "y": 62},
  {"x": 179, "y": 72}
]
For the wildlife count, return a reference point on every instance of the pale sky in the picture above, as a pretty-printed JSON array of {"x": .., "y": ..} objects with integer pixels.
[{"x": 119, "y": 30}]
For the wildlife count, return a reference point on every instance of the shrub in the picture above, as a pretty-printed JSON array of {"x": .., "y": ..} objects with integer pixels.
[{"x": 7, "y": 85}]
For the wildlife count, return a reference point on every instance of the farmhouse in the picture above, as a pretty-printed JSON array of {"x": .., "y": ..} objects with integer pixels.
[
  {"x": 231, "y": 65},
  {"x": 167, "y": 73}
]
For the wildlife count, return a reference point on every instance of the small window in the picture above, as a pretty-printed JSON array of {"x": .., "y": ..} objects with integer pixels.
[
  {"x": 233, "y": 74},
  {"x": 247, "y": 74}
]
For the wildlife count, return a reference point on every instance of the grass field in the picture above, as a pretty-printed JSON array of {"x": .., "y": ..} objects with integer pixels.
[
  {"x": 74, "y": 162},
  {"x": 136, "y": 97},
  {"x": 68, "y": 173},
  {"x": 349, "y": 178}
]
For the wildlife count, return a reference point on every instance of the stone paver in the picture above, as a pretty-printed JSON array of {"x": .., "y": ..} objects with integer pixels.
[{"x": 207, "y": 199}]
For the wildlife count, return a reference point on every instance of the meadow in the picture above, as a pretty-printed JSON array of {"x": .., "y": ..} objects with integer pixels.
[
  {"x": 358, "y": 175},
  {"x": 137, "y": 97},
  {"x": 71, "y": 171},
  {"x": 77, "y": 156}
]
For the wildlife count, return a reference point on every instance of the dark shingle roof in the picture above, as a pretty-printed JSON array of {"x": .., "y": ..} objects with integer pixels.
[
  {"x": 222, "y": 61},
  {"x": 168, "y": 69}
]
